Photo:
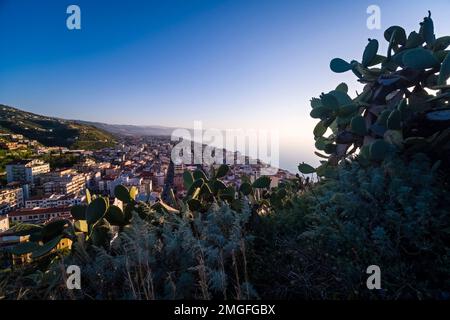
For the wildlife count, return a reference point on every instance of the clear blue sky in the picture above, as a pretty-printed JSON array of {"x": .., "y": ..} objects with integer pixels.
[{"x": 229, "y": 63}]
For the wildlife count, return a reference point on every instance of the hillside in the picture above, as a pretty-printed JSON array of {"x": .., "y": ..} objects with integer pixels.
[
  {"x": 131, "y": 130},
  {"x": 51, "y": 131}
]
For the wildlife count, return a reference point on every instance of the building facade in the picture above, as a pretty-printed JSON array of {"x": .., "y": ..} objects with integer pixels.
[
  {"x": 11, "y": 199},
  {"x": 4, "y": 223},
  {"x": 63, "y": 182},
  {"x": 39, "y": 215},
  {"x": 53, "y": 201},
  {"x": 26, "y": 170}
]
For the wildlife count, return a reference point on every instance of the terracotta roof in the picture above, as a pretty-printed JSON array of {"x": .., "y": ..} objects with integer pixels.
[{"x": 24, "y": 212}]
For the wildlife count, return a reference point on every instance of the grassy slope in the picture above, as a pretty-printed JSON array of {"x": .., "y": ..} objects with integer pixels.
[{"x": 53, "y": 131}]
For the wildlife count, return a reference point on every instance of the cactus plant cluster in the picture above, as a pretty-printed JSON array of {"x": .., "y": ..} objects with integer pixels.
[
  {"x": 203, "y": 191},
  {"x": 97, "y": 221},
  {"x": 93, "y": 222},
  {"x": 404, "y": 104},
  {"x": 42, "y": 239}
]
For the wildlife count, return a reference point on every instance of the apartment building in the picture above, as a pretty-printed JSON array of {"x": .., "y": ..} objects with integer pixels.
[
  {"x": 26, "y": 170},
  {"x": 89, "y": 165},
  {"x": 53, "y": 201},
  {"x": 11, "y": 199},
  {"x": 107, "y": 184},
  {"x": 63, "y": 182},
  {"x": 4, "y": 223},
  {"x": 12, "y": 145},
  {"x": 39, "y": 215},
  {"x": 57, "y": 174}
]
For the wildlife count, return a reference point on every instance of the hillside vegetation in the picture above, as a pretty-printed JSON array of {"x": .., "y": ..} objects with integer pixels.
[{"x": 53, "y": 132}]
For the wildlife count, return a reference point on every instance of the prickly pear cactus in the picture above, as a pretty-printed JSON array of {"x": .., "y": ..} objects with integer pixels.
[{"x": 404, "y": 105}]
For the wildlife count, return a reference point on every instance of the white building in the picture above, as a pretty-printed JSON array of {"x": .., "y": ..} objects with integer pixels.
[
  {"x": 11, "y": 199},
  {"x": 26, "y": 170},
  {"x": 38, "y": 215},
  {"x": 55, "y": 200}
]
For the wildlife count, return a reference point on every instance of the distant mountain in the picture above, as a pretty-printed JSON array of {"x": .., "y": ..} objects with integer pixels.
[
  {"x": 51, "y": 131},
  {"x": 131, "y": 130}
]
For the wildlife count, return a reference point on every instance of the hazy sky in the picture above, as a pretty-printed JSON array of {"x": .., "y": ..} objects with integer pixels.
[{"x": 228, "y": 63}]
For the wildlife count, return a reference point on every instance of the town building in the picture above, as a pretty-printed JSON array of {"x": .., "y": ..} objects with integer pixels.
[
  {"x": 67, "y": 181},
  {"x": 10, "y": 199},
  {"x": 4, "y": 223},
  {"x": 107, "y": 184},
  {"x": 12, "y": 145},
  {"x": 39, "y": 215},
  {"x": 26, "y": 170},
  {"x": 54, "y": 200}
]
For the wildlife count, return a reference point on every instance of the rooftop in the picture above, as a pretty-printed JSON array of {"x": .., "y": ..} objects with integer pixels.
[
  {"x": 27, "y": 162},
  {"x": 24, "y": 212},
  {"x": 54, "y": 197}
]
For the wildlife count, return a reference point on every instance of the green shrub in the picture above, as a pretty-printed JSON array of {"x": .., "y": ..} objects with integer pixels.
[
  {"x": 173, "y": 257},
  {"x": 394, "y": 215}
]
